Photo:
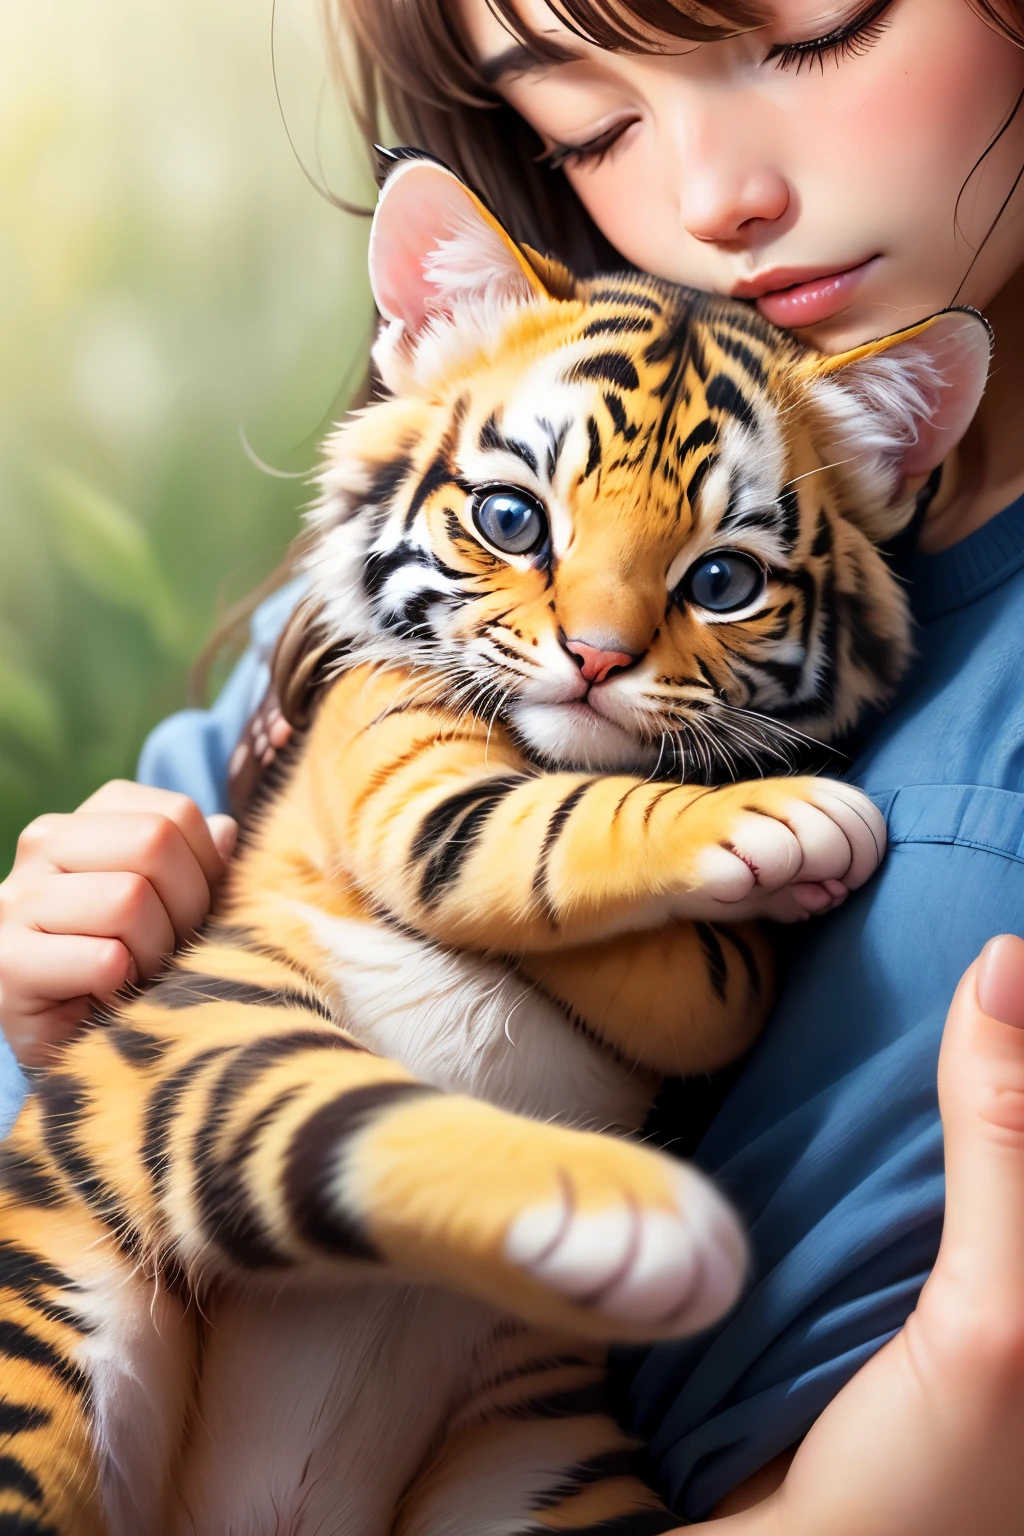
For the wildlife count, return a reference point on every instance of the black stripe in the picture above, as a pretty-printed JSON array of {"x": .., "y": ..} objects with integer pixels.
[
  {"x": 623, "y": 1461},
  {"x": 789, "y": 506},
  {"x": 135, "y": 1046},
  {"x": 616, "y": 368},
  {"x": 448, "y": 833},
  {"x": 17, "y": 1343},
  {"x": 624, "y": 296},
  {"x": 21, "y": 1418},
  {"x": 438, "y": 474},
  {"x": 639, "y": 1522},
  {"x": 14, "y": 1478},
  {"x": 732, "y": 346},
  {"x": 559, "y": 817},
  {"x": 619, "y": 325},
  {"x": 718, "y": 972},
  {"x": 492, "y": 438},
  {"x": 381, "y": 564},
  {"x": 626, "y": 429},
  {"x": 556, "y": 442},
  {"x": 823, "y": 538},
  {"x": 189, "y": 989},
  {"x": 386, "y": 480},
  {"x": 65, "y": 1105},
  {"x": 745, "y": 953},
  {"x": 725, "y": 395},
  {"x": 227, "y": 1212},
  {"x": 703, "y": 669},
  {"x": 28, "y": 1180},
  {"x": 313, "y": 1162},
  {"x": 881, "y": 654},
  {"x": 25, "y": 1272},
  {"x": 594, "y": 456},
  {"x": 574, "y": 1402},
  {"x": 748, "y": 520},
  {"x": 698, "y": 477},
  {"x": 703, "y": 435},
  {"x": 161, "y": 1111}
]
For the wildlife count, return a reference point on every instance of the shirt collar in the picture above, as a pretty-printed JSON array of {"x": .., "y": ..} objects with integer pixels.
[{"x": 958, "y": 576}]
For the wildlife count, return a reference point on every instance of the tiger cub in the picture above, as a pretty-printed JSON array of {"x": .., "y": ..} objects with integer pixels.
[{"x": 321, "y": 1232}]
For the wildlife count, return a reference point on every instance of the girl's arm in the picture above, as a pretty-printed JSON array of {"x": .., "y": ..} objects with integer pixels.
[{"x": 100, "y": 897}]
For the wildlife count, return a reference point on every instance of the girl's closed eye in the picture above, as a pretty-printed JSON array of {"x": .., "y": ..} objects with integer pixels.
[
  {"x": 850, "y": 40},
  {"x": 592, "y": 151}
]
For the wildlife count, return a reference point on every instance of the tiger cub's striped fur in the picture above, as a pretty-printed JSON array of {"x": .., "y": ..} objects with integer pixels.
[{"x": 320, "y": 1233}]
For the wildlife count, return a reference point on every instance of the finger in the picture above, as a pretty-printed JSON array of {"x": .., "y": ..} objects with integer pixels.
[
  {"x": 121, "y": 796},
  {"x": 981, "y": 1096},
  {"x": 224, "y": 831},
  {"x": 140, "y": 844},
  {"x": 34, "y": 838},
  {"x": 105, "y": 906},
  {"x": 34, "y": 1038},
  {"x": 41, "y": 969}
]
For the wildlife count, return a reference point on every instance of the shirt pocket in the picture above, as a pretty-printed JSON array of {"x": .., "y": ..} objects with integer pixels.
[{"x": 958, "y": 815}]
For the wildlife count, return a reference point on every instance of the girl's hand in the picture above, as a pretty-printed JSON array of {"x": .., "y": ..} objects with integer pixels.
[
  {"x": 99, "y": 899},
  {"x": 927, "y": 1438}
]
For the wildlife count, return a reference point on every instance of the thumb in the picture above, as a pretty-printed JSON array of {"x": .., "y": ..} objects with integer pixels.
[
  {"x": 224, "y": 831},
  {"x": 981, "y": 1096}
]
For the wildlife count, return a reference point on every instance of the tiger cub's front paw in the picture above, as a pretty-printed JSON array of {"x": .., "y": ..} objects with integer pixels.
[
  {"x": 568, "y": 1229},
  {"x": 784, "y": 849}
]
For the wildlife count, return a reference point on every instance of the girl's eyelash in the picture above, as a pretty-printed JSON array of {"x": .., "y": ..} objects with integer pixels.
[
  {"x": 849, "y": 41},
  {"x": 591, "y": 153}
]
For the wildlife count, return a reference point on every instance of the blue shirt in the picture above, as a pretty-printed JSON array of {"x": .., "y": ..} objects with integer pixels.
[{"x": 830, "y": 1141}]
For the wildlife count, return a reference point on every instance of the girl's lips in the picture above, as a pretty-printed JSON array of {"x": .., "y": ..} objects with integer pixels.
[{"x": 812, "y": 300}]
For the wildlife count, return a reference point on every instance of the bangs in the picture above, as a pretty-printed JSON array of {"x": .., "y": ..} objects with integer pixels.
[
  {"x": 634, "y": 26},
  {"x": 416, "y": 44}
]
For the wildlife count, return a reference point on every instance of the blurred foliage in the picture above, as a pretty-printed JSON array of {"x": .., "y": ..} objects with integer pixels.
[{"x": 169, "y": 283}]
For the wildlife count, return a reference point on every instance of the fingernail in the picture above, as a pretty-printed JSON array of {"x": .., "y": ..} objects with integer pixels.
[
  {"x": 132, "y": 975},
  {"x": 1001, "y": 980}
]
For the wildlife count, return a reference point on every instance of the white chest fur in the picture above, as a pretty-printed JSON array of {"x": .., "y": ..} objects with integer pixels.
[{"x": 471, "y": 1025}]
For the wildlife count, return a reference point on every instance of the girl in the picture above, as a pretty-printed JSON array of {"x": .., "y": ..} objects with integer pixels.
[{"x": 849, "y": 167}]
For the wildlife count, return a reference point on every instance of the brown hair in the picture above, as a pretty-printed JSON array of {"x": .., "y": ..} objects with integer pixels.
[
  {"x": 407, "y": 71},
  {"x": 410, "y": 77}
]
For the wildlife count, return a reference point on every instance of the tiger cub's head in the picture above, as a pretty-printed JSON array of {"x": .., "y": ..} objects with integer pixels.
[{"x": 634, "y": 523}]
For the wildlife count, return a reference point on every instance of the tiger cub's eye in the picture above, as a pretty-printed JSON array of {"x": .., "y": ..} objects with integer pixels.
[
  {"x": 510, "y": 519},
  {"x": 723, "y": 582}
]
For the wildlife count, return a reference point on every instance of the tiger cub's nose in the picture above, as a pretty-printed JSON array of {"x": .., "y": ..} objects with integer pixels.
[{"x": 596, "y": 664}]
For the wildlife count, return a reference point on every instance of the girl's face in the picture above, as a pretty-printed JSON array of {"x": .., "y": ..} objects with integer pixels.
[{"x": 813, "y": 165}]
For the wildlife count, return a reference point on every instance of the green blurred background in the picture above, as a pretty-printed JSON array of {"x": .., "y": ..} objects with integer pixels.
[{"x": 169, "y": 280}]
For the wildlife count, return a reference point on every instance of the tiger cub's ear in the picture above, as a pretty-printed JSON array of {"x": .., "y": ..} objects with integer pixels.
[
  {"x": 903, "y": 403},
  {"x": 435, "y": 249}
]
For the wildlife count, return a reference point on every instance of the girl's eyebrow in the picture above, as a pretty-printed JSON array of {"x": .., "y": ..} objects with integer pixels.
[{"x": 521, "y": 59}]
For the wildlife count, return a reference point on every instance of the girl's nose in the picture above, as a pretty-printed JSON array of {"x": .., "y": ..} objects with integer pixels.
[{"x": 719, "y": 206}]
